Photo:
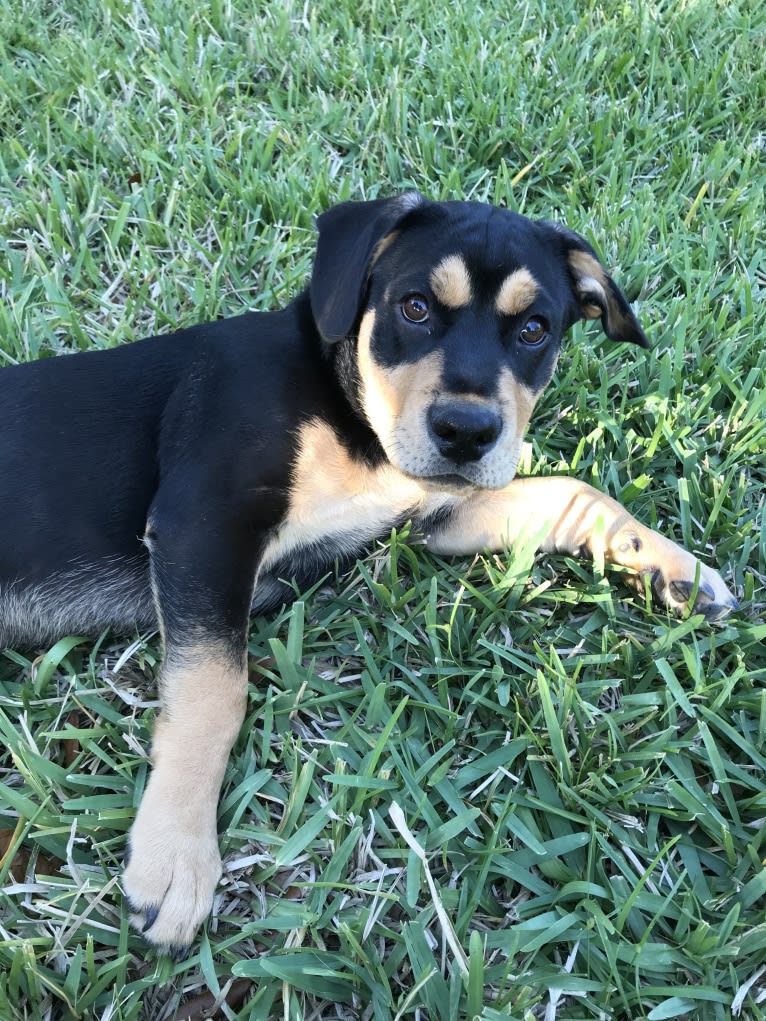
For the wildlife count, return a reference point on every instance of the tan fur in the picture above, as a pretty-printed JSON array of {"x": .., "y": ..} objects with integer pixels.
[
  {"x": 588, "y": 270},
  {"x": 517, "y": 402},
  {"x": 567, "y": 515},
  {"x": 590, "y": 281},
  {"x": 517, "y": 292},
  {"x": 517, "y": 399},
  {"x": 451, "y": 282},
  {"x": 395, "y": 401},
  {"x": 591, "y": 311},
  {"x": 345, "y": 496},
  {"x": 381, "y": 398},
  {"x": 174, "y": 861},
  {"x": 382, "y": 245}
]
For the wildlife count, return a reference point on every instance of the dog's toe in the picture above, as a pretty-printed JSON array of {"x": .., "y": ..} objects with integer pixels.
[
  {"x": 677, "y": 577},
  {"x": 711, "y": 596},
  {"x": 169, "y": 884},
  {"x": 714, "y": 610},
  {"x": 171, "y": 923}
]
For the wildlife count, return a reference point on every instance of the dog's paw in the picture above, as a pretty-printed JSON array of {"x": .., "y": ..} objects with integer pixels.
[
  {"x": 674, "y": 582},
  {"x": 169, "y": 882}
]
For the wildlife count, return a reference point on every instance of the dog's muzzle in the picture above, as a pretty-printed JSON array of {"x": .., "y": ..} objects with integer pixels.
[{"x": 464, "y": 431}]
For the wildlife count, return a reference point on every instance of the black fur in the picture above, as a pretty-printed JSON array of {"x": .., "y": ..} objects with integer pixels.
[{"x": 142, "y": 485}]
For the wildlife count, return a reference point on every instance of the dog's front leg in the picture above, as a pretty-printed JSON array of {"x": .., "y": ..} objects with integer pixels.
[
  {"x": 202, "y": 581},
  {"x": 571, "y": 517},
  {"x": 174, "y": 863}
]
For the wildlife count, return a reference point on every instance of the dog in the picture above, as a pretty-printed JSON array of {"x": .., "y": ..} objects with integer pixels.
[{"x": 185, "y": 481}]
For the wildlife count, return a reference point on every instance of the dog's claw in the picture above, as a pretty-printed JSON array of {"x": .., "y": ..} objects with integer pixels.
[
  {"x": 682, "y": 590},
  {"x": 714, "y": 611},
  {"x": 713, "y": 599},
  {"x": 143, "y": 919},
  {"x": 151, "y": 918}
]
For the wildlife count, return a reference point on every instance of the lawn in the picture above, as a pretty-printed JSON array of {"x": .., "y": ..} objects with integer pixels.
[{"x": 508, "y": 786}]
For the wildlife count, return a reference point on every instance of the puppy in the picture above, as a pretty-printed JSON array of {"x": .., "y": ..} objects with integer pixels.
[{"x": 175, "y": 482}]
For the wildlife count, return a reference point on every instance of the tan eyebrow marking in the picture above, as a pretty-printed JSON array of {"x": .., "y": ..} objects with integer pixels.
[
  {"x": 451, "y": 282},
  {"x": 516, "y": 293}
]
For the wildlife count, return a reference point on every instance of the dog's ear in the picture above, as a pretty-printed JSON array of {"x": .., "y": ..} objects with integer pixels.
[
  {"x": 596, "y": 295},
  {"x": 351, "y": 236}
]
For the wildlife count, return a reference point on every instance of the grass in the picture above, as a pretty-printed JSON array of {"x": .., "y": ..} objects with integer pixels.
[{"x": 580, "y": 779}]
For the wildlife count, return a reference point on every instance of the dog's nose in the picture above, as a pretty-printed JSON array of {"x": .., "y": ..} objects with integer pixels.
[{"x": 464, "y": 431}]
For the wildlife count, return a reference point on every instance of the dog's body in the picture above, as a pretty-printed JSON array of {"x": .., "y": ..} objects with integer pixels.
[
  {"x": 185, "y": 480},
  {"x": 184, "y": 418}
]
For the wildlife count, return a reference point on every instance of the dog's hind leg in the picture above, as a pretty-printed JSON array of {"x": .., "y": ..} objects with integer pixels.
[{"x": 569, "y": 516}]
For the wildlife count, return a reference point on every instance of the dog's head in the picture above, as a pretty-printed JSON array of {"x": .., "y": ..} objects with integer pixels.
[{"x": 450, "y": 318}]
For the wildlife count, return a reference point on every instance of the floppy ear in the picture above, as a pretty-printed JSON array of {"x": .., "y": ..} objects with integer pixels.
[
  {"x": 350, "y": 236},
  {"x": 596, "y": 294}
]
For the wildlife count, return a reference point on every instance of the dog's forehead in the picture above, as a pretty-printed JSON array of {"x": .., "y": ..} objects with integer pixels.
[{"x": 486, "y": 245}]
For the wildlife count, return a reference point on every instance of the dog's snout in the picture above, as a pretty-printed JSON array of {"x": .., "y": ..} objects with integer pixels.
[{"x": 464, "y": 431}]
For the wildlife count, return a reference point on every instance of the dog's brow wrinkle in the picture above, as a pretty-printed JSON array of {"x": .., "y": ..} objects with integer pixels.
[
  {"x": 451, "y": 282},
  {"x": 517, "y": 292}
]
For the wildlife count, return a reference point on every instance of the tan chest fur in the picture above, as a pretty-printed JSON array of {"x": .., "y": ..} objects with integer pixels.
[{"x": 335, "y": 495}]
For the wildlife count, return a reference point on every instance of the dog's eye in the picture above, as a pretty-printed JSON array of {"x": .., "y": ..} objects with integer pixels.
[
  {"x": 415, "y": 308},
  {"x": 534, "y": 332}
]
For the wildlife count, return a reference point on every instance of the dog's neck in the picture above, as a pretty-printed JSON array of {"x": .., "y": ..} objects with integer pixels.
[
  {"x": 359, "y": 438},
  {"x": 364, "y": 441}
]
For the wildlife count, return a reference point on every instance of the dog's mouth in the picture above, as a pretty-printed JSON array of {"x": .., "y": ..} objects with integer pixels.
[
  {"x": 445, "y": 482},
  {"x": 423, "y": 462},
  {"x": 449, "y": 480},
  {"x": 458, "y": 478},
  {"x": 437, "y": 476}
]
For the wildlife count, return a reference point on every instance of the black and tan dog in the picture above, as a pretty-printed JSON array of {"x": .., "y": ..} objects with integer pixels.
[{"x": 176, "y": 481}]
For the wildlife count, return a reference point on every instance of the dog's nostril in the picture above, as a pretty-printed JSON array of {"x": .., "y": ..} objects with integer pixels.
[{"x": 445, "y": 431}]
